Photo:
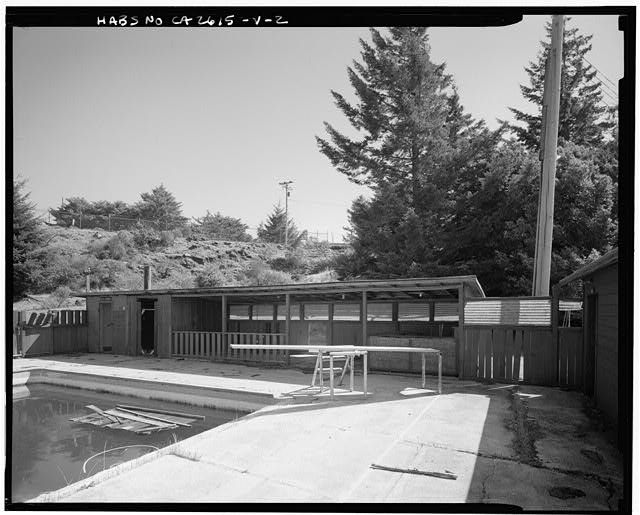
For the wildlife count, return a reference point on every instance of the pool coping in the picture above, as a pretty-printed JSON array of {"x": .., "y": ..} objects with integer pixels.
[{"x": 180, "y": 393}]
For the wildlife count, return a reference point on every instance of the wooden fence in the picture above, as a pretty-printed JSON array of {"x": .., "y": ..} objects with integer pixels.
[
  {"x": 216, "y": 346},
  {"x": 37, "y": 333},
  {"x": 518, "y": 340}
]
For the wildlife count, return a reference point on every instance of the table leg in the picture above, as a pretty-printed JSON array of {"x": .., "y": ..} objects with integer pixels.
[
  {"x": 321, "y": 372},
  {"x": 330, "y": 376},
  {"x": 365, "y": 375},
  {"x": 424, "y": 378},
  {"x": 352, "y": 363},
  {"x": 439, "y": 372},
  {"x": 316, "y": 369}
]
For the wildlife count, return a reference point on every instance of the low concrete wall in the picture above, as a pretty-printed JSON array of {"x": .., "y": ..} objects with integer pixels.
[{"x": 409, "y": 362}]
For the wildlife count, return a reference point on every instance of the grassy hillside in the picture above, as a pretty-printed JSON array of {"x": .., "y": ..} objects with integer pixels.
[{"x": 116, "y": 262}]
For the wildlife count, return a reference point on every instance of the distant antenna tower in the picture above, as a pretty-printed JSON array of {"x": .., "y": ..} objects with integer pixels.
[{"x": 286, "y": 185}]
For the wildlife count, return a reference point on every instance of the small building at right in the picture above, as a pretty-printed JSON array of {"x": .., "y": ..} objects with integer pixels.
[{"x": 602, "y": 355}]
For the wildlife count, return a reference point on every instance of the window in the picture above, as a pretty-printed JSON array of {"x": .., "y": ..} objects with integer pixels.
[
  {"x": 295, "y": 312},
  {"x": 262, "y": 312},
  {"x": 446, "y": 312},
  {"x": 346, "y": 312},
  {"x": 379, "y": 312},
  {"x": 239, "y": 312},
  {"x": 316, "y": 312},
  {"x": 413, "y": 311}
]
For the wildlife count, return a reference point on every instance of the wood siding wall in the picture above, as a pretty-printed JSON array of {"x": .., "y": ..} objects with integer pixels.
[{"x": 605, "y": 283}]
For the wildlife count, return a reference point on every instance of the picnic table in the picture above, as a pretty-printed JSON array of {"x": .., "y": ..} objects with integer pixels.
[{"x": 350, "y": 351}]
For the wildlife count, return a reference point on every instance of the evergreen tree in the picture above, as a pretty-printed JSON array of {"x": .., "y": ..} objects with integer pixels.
[
  {"x": 222, "y": 227},
  {"x": 161, "y": 206},
  {"x": 273, "y": 230},
  {"x": 27, "y": 238},
  {"x": 416, "y": 147},
  {"x": 582, "y": 119}
]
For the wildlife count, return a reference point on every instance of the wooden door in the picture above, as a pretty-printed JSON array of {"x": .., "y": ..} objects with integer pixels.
[{"x": 106, "y": 327}]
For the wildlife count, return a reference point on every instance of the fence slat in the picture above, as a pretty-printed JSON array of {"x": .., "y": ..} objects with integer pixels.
[{"x": 499, "y": 352}]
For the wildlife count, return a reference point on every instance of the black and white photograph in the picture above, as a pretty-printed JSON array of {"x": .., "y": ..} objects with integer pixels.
[{"x": 272, "y": 256}]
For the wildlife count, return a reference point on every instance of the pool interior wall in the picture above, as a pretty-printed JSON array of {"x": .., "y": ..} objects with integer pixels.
[{"x": 50, "y": 452}]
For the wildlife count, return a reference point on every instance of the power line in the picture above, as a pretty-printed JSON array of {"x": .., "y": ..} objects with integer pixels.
[{"x": 589, "y": 62}]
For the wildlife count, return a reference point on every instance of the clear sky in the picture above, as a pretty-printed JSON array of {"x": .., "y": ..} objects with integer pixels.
[{"x": 220, "y": 116}]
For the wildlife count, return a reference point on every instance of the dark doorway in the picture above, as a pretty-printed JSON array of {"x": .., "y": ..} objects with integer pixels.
[
  {"x": 147, "y": 326},
  {"x": 590, "y": 328}
]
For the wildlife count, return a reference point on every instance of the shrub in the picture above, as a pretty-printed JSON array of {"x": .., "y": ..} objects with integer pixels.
[
  {"x": 117, "y": 247},
  {"x": 167, "y": 238},
  {"x": 210, "y": 276},
  {"x": 146, "y": 238},
  {"x": 291, "y": 263},
  {"x": 57, "y": 298},
  {"x": 258, "y": 274},
  {"x": 178, "y": 278}
]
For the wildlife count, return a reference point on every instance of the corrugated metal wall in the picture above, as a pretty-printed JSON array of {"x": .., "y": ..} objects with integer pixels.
[{"x": 508, "y": 311}]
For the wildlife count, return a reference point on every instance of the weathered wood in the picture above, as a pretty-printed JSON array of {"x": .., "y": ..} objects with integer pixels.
[
  {"x": 441, "y": 475},
  {"x": 499, "y": 353},
  {"x": 108, "y": 416},
  {"x": 154, "y": 417}
]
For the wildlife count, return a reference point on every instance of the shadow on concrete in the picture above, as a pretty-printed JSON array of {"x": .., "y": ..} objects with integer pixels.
[{"x": 541, "y": 450}]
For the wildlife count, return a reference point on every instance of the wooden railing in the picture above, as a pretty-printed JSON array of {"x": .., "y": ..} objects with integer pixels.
[{"x": 216, "y": 346}]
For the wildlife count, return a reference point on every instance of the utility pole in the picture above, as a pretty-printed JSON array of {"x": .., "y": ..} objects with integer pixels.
[
  {"x": 285, "y": 185},
  {"x": 548, "y": 156}
]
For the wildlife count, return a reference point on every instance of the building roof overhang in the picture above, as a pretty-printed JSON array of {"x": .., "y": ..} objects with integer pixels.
[
  {"x": 608, "y": 259},
  {"x": 435, "y": 288}
]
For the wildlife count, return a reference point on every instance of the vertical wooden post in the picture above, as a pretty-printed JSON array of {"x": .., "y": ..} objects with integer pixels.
[
  {"x": 364, "y": 320},
  {"x": 555, "y": 305},
  {"x": 330, "y": 324},
  {"x": 460, "y": 343},
  {"x": 147, "y": 278},
  {"x": 394, "y": 315},
  {"x": 549, "y": 148},
  {"x": 287, "y": 298},
  {"x": 432, "y": 311},
  {"x": 225, "y": 350}
]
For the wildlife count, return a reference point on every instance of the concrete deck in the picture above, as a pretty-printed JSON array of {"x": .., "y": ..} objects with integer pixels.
[{"x": 537, "y": 448}]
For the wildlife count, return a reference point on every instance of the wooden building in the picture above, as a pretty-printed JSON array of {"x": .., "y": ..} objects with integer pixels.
[
  {"x": 602, "y": 354},
  {"x": 202, "y": 322}
]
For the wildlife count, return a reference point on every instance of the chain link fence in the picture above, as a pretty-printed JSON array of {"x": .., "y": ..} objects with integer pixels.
[{"x": 115, "y": 223}]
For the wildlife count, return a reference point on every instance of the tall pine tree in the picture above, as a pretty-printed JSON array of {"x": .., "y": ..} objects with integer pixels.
[
  {"x": 161, "y": 206},
  {"x": 27, "y": 238},
  {"x": 273, "y": 230},
  {"x": 582, "y": 113},
  {"x": 415, "y": 143}
]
